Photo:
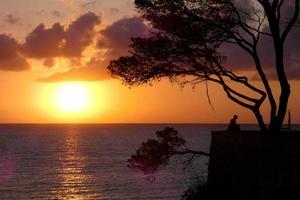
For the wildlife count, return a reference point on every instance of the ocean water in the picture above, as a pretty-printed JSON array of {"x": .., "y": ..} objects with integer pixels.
[{"x": 83, "y": 162}]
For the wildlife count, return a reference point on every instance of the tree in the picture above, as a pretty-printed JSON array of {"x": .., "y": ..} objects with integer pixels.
[
  {"x": 155, "y": 153},
  {"x": 185, "y": 43}
]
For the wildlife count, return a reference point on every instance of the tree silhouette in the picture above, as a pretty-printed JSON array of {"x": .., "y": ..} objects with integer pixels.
[
  {"x": 185, "y": 43},
  {"x": 156, "y": 153}
]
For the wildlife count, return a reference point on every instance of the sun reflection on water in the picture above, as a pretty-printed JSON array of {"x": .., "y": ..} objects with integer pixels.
[{"x": 74, "y": 180}]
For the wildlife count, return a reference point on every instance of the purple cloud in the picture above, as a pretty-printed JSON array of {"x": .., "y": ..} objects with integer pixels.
[
  {"x": 56, "y": 13},
  {"x": 115, "y": 39},
  {"x": 118, "y": 34},
  {"x": 12, "y": 19},
  {"x": 238, "y": 59},
  {"x": 10, "y": 57},
  {"x": 44, "y": 42},
  {"x": 49, "y": 62},
  {"x": 52, "y": 42},
  {"x": 80, "y": 34}
]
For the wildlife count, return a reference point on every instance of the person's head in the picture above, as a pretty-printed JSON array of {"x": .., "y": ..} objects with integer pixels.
[{"x": 235, "y": 116}]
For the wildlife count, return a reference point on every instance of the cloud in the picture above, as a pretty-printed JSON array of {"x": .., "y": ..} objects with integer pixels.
[
  {"x": 44, "y": 42},
  {"x": 80, "y": 34},
  {"x": 89, "y": 4},
  {"x": 115, "y": 39},
  {"x": 293, "y": 73},
  {"x": 49, "y": 62},
  {"x": 91, "y": 72},
  {"x": 52, "y": 42},
  {"x": 12, "y": 19},
  {"x": 238, "y": 59},
  {"x": 118, "y": 34},
  {"x": 56, "y": 13},
  {"x": 10, "y": 57}
]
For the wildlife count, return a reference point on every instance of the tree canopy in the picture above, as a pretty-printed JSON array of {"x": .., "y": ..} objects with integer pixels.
[
  {"x": 185, "y": 40},
  {"x": 156, "y": 153}
]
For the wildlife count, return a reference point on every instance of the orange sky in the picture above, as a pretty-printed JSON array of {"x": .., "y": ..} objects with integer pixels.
[{"x": 28, "y": 90}]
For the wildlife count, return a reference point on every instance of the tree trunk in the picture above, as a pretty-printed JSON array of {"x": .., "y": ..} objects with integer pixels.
[
  {"x": 260, "y": 120},
  {"x": 284, "y": 86},
  {"x": 274, "y": 25}
]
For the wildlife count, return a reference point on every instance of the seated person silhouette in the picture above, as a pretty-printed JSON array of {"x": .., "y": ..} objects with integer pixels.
[{"x": 233, "y": 126}]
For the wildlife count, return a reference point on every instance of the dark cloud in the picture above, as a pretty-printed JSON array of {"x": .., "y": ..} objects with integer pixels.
[
  {"x": 56, "y": 13},
  {"x": 10, "y": 58},
  {"x": 52, "y": 42},
  {"x": 293, "y": 73},
  {"x": 44, "y": 42},
  {"x": 49, "y": 62},
  {"x": 238, "y": 59},
  {"x": 12, "y": 19},
  {"x": 80, "y": 34},
  {"x": 118, "y": 34},
  {"x": 115, "y": 39}
]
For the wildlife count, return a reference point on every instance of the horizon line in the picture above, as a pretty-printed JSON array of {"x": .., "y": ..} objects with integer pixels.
[{"x": 128, "y": 123}]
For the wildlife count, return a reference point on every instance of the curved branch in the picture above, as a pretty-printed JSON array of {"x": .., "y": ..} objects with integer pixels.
[
  {"x": 267, "y": 86},
  {"x": 227, "y": 90},
  {"x": 292, "y": 21},
  {"x": 200, "y": 153},
  {"x": 243, "y": 80},
  {"x": 279, "y": 9}
]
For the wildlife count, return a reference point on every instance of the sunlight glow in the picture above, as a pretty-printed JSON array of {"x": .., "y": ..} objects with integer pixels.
[
  {"x": 72, "y": 97},
  {"x": 76, "y": 102}
]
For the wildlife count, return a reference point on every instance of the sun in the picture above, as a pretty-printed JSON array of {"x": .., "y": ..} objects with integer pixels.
[
  {"x": 75, "y": 102},
  {"x": 72, "y": 98}
]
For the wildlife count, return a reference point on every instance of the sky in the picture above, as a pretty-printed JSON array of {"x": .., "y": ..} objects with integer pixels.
[{"x": 54, "y": 53}]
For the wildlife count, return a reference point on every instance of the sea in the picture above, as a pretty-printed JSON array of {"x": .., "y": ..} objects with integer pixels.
[{"x": 87, "y": 162}]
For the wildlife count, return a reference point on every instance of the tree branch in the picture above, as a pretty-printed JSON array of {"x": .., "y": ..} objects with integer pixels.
[
  {"x": 187, "y": 151},
  {"x": 292, "y": 21}
]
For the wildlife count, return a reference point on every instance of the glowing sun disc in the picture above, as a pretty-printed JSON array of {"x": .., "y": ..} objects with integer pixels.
[{"x": 72, "y": 98}]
